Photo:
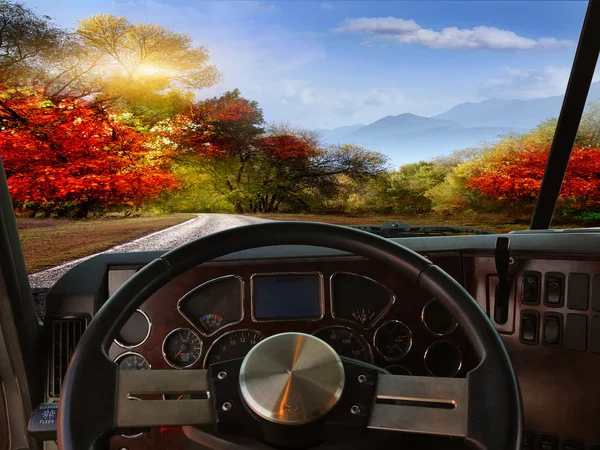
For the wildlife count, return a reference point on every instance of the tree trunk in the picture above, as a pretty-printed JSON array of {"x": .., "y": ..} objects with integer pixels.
[
  {"x": 83, "y": 211},
  {"x": 239, "y": 209},
  {"x": 271, "y": 203}
]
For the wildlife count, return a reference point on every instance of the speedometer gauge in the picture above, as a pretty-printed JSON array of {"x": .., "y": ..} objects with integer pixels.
[
  {"x": 346, "y": 343},
  {"x": 232, "y": 345}
]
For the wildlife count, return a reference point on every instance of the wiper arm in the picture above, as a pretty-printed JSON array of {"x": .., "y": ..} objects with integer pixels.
[{"x": 396, "y": 229}]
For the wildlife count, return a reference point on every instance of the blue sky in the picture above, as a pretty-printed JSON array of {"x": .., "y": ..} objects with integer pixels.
[{"x": 328, "y": 64}]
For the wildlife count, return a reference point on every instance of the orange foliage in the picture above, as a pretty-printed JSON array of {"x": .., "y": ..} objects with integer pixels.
[
  {"x": 74, "y": 152},
  {"x": 519, "y": 177},
  {"x": 286, "y": 147}
]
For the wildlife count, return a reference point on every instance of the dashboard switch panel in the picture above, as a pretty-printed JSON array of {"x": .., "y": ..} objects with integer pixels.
[
  {"x": 530, "y": 324},
  {"x": 552, "y": 329},
  {"x": 576, "y": 332},
  {"x": 528, "y": 442},
  {"x": 595, "y": 340},
  {"x": 572, "y": 444},
  {"x": 596, "y": 293},
  {"x": 555, "y": 288},
  {"x": 547, "y": 442},
  {"x": 578, "y": 291},
  {"x": 531, "y": 288}
]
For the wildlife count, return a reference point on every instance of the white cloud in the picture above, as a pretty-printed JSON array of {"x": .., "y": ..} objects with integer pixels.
[
  {"x": 526, "y": 84},
  {"x": 480, "y": 37}
]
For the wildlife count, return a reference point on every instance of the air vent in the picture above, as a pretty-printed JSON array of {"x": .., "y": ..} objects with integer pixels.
[{"x": 65, "y": 335}]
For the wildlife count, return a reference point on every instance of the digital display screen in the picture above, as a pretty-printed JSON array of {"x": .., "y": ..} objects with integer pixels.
[{"x": 285, "y": 297}]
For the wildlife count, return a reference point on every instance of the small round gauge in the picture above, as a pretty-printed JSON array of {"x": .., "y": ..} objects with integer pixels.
[
  {"x": 232, "y": 345},
  {"x": 393, "y": 340},
  {"x": 346, "y": 343},
  {"x": 132, "y": 361},
  {"x": 397, "y": 369},
  {"x": 211, "y": 322},
  {"x": 182, "y": 348},
  {"x": 136, "y": 330},
  {"x": 437, "y": 319},
  {"x": 443, "y": 359}
]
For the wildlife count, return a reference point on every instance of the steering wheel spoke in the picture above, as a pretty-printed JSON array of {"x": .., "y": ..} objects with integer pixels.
[
  {"x": 424, "y": 405},
  {"x": 135, "y": 411}
]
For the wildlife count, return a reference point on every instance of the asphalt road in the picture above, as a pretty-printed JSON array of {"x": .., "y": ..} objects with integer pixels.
[{"x": 166, "y": 239}]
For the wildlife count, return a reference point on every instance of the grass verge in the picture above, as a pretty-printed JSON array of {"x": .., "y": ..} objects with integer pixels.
[{"x": 49, "y": 242}]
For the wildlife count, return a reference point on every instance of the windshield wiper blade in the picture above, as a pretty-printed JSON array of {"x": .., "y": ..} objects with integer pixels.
[{"x": 395, "y": 229}]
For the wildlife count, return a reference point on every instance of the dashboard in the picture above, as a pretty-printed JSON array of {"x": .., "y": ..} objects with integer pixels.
[{"x": 365, "y": 311}]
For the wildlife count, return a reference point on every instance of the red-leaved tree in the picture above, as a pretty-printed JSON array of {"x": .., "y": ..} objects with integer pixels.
[
  {"x": 76, "y": 154},
  {"x": 519, "y": 177}
]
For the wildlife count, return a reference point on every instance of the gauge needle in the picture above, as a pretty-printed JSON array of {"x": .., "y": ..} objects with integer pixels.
[
  {"x": 178, "y": 353},
  {"x": 180, "y": 397},
  {"x": 360, "y": 318}
]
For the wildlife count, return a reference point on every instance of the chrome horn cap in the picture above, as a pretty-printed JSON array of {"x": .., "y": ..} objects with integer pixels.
[{"x": 291, "y": 378}]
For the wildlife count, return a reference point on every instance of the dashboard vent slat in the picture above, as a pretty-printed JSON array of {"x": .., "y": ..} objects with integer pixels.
[{"x": 65, "y": 335}]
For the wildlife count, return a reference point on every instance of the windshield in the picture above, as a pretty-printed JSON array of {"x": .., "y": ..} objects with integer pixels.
[{"x": 138, "y": 116}]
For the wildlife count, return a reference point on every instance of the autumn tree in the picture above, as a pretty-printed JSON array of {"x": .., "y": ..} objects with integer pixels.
[
  {"x": 520, "y": 177},
  {"x": 25, "y": 38},
  {"x": 259, "y": 170},
  {"x": 223, "y": 131},
  {"x": 74, "y": 154},
  {"x": 142, "y": 64}
]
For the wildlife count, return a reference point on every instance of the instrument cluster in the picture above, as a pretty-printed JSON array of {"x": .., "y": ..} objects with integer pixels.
[{"x": 359, "y": 322}]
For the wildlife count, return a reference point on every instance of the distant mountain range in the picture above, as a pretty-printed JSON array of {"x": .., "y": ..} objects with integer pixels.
[{"x": 408, "y": 137}]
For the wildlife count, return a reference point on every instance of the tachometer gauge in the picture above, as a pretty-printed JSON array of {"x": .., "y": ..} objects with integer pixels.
[
  {"x": 214, "y": 304},
  {"x": 232, "y": 345},
  {"x": 359, "y": 299},
  {"x": 393, "y": 340},
  {"x": 132, "y": 361},
  {"x": 182, "y": 348},
  {"x": 346, "y": 343}
]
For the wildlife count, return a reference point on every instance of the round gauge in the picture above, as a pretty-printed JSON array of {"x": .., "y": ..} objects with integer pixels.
[
  {"x": 132, "y": 361},
  {"x": 443, "y": 359},
  {"x": 134, "y": 435},
  {"x": 232, "y": 345},
  {"x": 135, "y": 331},
  {"x": 214, "y": 305},
  {"x": 393, "y": 340},
  {"x": 397, "y": 369},
  {"x": 437, "y": 319},
  {"x": 182, "y": 348},
  {"x": 346, "y": 343}
]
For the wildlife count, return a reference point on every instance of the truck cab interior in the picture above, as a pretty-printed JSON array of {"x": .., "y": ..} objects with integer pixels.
[{"x": 433, "y": 342}]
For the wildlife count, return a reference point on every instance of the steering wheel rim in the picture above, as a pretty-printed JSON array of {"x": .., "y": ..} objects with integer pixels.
[{"x": 87, "y": 414}]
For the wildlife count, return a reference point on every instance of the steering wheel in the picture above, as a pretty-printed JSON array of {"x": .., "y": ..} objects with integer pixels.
[{"x": 321, "y": 395}]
